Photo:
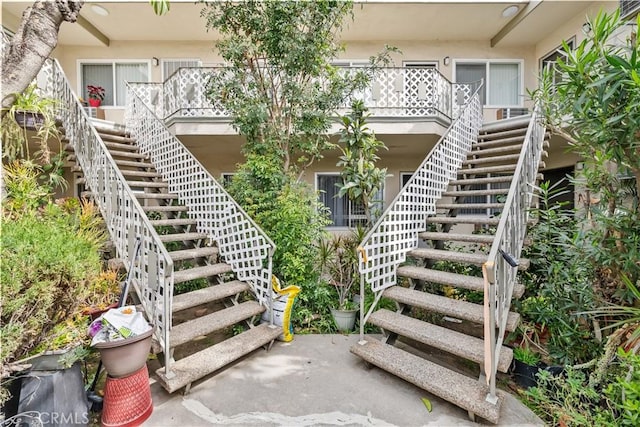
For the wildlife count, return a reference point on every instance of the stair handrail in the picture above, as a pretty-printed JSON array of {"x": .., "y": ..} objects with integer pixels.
[
  {"x": 395, "y": 233},
  {"x": 500, "y": 269},
  {"x": 241, "y": 242},
  {"x": 124, "y": 218}
]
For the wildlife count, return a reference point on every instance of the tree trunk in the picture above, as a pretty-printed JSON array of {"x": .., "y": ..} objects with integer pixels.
[{"x": 32, "y": 44}]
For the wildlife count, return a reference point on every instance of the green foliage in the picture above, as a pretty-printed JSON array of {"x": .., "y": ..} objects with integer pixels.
[
  {"x": 577, "y": 399},
  {"x": 287, "y": 210},
  {"x": 48, "y": 261},
  {"x": 281, "y": 88},
  {"x": 361, "y": 179},
  {"x": 338, "y": 264},
  {"x": 596, "y": 107},
  {"x": 526, "y": 356},
  {"x": 15, "y": 137},
  {"x": 558, "y": 283}
]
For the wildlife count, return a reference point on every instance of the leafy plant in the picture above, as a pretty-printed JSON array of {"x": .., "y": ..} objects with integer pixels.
[
  {"x": 41, "y": 111},
  {"x": 95, "y": 92},
  {"x": 526, "y": 356},
  {"x": 338, "y": 264},
  {"x": 361, "y": 179}
]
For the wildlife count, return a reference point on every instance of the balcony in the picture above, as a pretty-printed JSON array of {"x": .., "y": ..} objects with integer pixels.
[{"x": 395, "y": 95}]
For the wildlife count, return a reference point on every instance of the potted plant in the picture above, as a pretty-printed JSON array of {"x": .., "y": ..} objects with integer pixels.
[
  {"x": 96, "y": 95},
  {"x": 338, "y": 265},
  {"x": 29, "y": 112},
  {"x": 526, "y": 366}
]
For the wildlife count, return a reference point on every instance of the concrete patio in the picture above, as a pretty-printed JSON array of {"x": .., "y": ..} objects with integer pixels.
[{"x": 312, "y": 381}]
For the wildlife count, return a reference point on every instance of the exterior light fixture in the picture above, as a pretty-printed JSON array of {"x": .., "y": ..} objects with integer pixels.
[
  {"x": 586, "y": 28},
  {"x": 510, "y": 11},
  {"x": 446, "y": 60},
  {"x": 99, "y": 10},
  {"x": 155, "y": 61}
]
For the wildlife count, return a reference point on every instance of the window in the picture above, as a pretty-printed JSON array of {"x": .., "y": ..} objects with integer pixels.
[
  {"x": 343, "y": 212},
  {"x": 226, "y": 179},
  {"x": 112, "y": 77},
  {"x": 502, "y": 80},
  {"x": 628, "y": 8},
  {"x": 549, "y": 61},
  {"x": 404, "y": 178},
  {"x": 170, "y": 66}
]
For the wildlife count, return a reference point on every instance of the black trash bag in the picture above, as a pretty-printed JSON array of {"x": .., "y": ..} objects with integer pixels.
[{"x": 53, "y": 398}]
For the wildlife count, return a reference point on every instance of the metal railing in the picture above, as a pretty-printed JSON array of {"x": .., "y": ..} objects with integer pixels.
[
  {"x": 395, "y": 233},
  {"x": 240, "y": 241},
  {"x": 394, "y": 92},
  {"x": 499, "y": 274},
  {"x": 126, "y": 221}
]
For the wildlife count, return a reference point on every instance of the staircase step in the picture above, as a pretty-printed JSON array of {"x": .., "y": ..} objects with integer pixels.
[
  {"x": 486, "y": 239},
  {"x": 116, "y": 138},
  {"x": 472, "y": 283},
  {"x": 140, "y": 174},
  {"x": 208, "y": 294},
  {"x": 477, "y": 181},
  {"x": 136, "y": 164},
  {"x": 505, "y": 125},
  {"x": 110, "y": 128},
  {"x": 498, "y": 150},
  {"x": 493, "y": 141},
  {"x": 490, "y": 159},
  {"x": 463, "y": 219},
  {"x": 147, "y": 184},
  {"x": 217, "y": 321},
  {"x": 453, "y": 256},
  {"x": 186, "y": 254},
  {"x": 459, "y": 206},
  {"x": 156, "y": 196},
  {"x": 487, "y": 169},
  {"x": 462, "y": 345},
  {"x": 173, "y": 222},
  {"x": 458, "y": 237},
  {"x": 467, "y": 393},
  {"x": 181, "y": 237},
  {"x": 118, "y": 146},
  {"x": 455, "y": 308},
  {"x": 201, "y": 272},
  {"x": 464, "y": 193},
  {"x": 128, "y": 154},
  {"x": 198, "y": 365},
  {"x": 168, "y": 208}
]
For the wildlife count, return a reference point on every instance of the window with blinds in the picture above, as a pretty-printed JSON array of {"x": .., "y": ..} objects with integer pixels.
[
  {"x": 502, "y": 81},
  {"x": 170, "y": 66},
  {"x": 112, "y": 76},
  {"x": 343, "y": 212}
]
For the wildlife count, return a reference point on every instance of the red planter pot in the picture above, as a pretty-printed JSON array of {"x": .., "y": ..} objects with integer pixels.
[{"x": 94, "y": 102}]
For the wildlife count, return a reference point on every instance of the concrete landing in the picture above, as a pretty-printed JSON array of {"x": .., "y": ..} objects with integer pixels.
[{"x": 312, "y": 381}]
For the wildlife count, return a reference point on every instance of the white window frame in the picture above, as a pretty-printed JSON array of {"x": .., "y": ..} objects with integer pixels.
[
  {"x": 435, "y": 64},
  {"x": 351, "y": 217},
  {"x": 163, "y": 60},
  {"x": 113, "y": 62},
  {"x": 487, "y": 83}
]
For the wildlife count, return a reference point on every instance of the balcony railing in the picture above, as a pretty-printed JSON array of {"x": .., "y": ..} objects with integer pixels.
[{"x": 394, "y": 92}]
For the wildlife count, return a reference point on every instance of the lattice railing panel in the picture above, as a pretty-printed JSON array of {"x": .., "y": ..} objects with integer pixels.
[
  {"x": 152, "y": 270},
  {"x": 152, "y": 94},
  {"x": 240, "y": 241},
  {"x": 394, "y": 92},
  {"x": 396, "y": 232},
  {"x": 509, "y": 238}
]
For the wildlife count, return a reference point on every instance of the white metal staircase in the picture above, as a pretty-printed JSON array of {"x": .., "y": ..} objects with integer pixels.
[
  {"x": 475, "y": 179},
  {"x": 151, "y": 190}
]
